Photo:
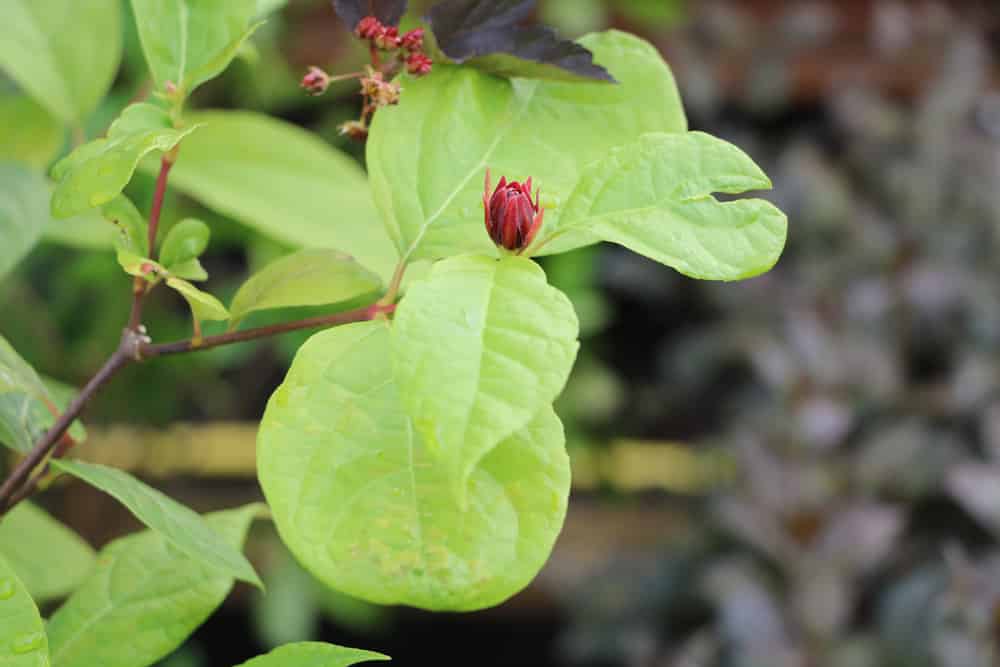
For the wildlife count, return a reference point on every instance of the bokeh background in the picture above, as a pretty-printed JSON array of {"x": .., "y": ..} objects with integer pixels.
[{"x": 799, "y": 470}]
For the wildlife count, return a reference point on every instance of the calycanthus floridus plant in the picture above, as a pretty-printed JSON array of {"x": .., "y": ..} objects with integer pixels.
[{"x": 412, "y": 455}]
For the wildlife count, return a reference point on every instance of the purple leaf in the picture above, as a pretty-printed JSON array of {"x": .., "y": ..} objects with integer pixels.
[
  {"x": 486, "y": 34},
  {"x": 389, "y": 12}
]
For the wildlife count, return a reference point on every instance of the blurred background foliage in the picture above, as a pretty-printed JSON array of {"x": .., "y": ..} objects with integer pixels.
[{"x": 801, "y": 470}]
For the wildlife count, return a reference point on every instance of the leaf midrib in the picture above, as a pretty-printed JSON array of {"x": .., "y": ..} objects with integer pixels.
[{"x": 501, "y": 135}]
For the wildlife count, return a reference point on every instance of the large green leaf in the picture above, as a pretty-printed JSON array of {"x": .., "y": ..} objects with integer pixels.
[
  {"x": 285, "y": 182},
  {"x": 655, "y": 197},
  {"x": 22, "y": 634},
  {"x": 37, "y": 137},
  {"x": 188, "y": 42},
  {"x": 181, "y": 526},
  {"x": 97, "y": 172},
  {"x": 361, "y": 502},
  {"x": 480, "y": 347},
  {"x": 315, "y": 277},
  {"x": 64, "y": 54},
  {"x": 49, "y": 558},
  {"x": 23, "y": 212},
  {"x": 313, "y": 654},
  {"x": 26, "y": 402},
  {"x": 143, "y": 600},
  {"x": 428, "y": 156}
]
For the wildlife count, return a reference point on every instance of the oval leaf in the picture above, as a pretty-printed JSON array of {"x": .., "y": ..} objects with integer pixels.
[
  {"x": 361, "y": 502},
  {"x": 97, "y": 172},
  {"x": 50, "y": 559},
  {"x": 285, "y": 182},
  {"x": 480, "y": 347},
  {"x": 22, "y": 634},
  {"x": 203, "y": 305},
  {"x": 185, "y": 241},
  {"x": 144, "y": 599},
  {"x": 457, "y": 122},
  {"x": 307, "y": 278},
  {"x": 64, "y": 54},
  {"x": 181, "y": 526},
  {"x": 313, "y": 654},
  {"x": 188, "y": 42},
  {"x": 655, "y": 198}
]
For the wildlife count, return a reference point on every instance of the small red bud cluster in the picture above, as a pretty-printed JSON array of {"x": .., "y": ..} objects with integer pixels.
[
  {"x": 377, "y": 89},
  {"x": 409, "y": 47}
]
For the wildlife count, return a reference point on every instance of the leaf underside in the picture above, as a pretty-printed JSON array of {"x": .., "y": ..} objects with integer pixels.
[{"x": 487, "y": 34}]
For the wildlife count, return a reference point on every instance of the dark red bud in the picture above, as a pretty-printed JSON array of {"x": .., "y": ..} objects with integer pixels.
[
  {"x": 388, "y": 40},
  {"x": 369, "y": 28},
  {"x": 413, "y": 40},
  {"x": 512, "y": 219},
  {"x": 316, "y": 81},
  {"x": 418, "y": 64}
]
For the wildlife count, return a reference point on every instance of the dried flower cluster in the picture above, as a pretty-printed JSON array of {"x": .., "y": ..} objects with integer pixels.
[{"x": 376, "y": 89}]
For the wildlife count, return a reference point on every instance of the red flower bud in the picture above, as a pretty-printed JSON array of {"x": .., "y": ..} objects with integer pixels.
[
  {"x": 316, "y": 81},
  {"x": 388, "y": 40},
  {"x": 512, "y": 219},
  {"x": 369, "y": 28},
  {"x": 418, "y": 64},
  {"x": 413, "y": 40}
]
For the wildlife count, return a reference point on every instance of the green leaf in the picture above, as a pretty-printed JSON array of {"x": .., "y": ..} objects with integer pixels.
[
  {"x": 313, "y": 654},
  {"x": 188, "y": 42},
  {"x": 49, "y": 558},
  {"x": 22, "y": 634},
  {"x": 265, "y": 7},
  {"x": 38, "y": 136},
  {"x": 361, "y": 502},
  {"x": 23, "y": 212},
  {"x": 181, "y": 526},
  {"x": 133, "y": 230},
  {"x": 26, "y": 403},
  {"x": 203, "y": 305},
  {"x": 428, "y": 156},
  {"x": 135, "y": 264},
  {"x": 64, "y": 54},
  {"x": 189, "y": 270},
  {"x": 316, "y": 277},
  {"x": 480, "y": 347},
  {"x": 655, "y": 198},
  {"x": 185, "y": 241},
  {"x": 144, "y": 598},
  {"x": 97, "y": 172},
  {"x": 285, "y": 182},
  {"x": 87, "y": 231}
]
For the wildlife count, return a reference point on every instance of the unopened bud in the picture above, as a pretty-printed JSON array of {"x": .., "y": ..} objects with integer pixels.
[
  {"x": 369, "y": 28},
  {"x": 316, "y": 81},
  {"x": 512, "y": 219},
  {"x": 418, "y": 64},
  {"x": 388, "y": 40},
  {"x": 413, "y": 40}
]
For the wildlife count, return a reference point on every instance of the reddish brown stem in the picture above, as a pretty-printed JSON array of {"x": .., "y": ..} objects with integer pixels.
[
  {"x": 149, "y": 351},
  {"x": 134, "y": 347},
  {"x": 161, "y": 190}
]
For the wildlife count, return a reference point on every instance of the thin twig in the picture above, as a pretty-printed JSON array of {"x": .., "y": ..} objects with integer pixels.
[
  {"x": 150, "y": 351},
  {"x": 121, "y": 358}
]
